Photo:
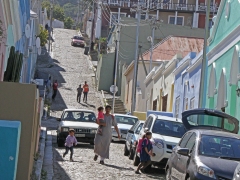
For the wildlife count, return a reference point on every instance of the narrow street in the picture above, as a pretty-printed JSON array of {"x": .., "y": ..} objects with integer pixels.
[{"x": 71, "y": 68}]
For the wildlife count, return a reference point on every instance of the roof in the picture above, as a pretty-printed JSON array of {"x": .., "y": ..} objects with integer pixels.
[
  {"x": 217, "y": 133},
  {"x": 125, "y": 115},
  {"x": 86, "y": 110},
  {"x": 172, "y": 45}
]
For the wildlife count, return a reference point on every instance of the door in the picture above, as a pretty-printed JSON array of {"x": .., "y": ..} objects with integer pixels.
[
  {"x": 155, "y": 105},
  {"x": 183, "y": 161},
  {"x": 130, "y": 134},
  {"x": 175, "y": 156},
  {"x": 164, "y": 103}
]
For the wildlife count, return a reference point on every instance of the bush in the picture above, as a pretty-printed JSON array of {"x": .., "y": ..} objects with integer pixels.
[{"x": 43, "y": 35}]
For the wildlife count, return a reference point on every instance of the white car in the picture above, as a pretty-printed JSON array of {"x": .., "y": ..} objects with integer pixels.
[
  {"x": 82, "y": 121},
  {"x": 166, "y": 133},
  {"x": 125, "y": 122}
]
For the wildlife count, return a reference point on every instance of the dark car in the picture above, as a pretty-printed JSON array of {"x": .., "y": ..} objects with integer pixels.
[
  {"x": 131, "y": 139},
  {"x": 78, "y": 41},
  {"x": 209, "y": 150},
  {"x": 236, "y": 175}
]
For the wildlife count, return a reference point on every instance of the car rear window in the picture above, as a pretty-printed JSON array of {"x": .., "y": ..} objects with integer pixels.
[
  {"x": 168, "y": 128},
  {"x": 78, "y": 37},
  {"x": 125, "y": 120}
]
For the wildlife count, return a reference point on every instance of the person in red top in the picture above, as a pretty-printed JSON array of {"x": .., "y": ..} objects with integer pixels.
[
  {"x": 85, "y": 91},
  {"x": 55, "y": 88}
]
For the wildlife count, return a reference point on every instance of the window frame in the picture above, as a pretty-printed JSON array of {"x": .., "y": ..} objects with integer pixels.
[
  {"x": 140, "y": 124},
  {"x": 192, "y": 101},
  {"x": 185, "y": 136},
  {"x": 170, "y": 16}
]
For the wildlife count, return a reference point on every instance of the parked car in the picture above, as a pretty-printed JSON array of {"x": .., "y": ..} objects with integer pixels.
[
  {"x": 82, "y": 121},
  {"x": 236, "y": 175},
  {"x": 131, "y": 139},
  {"x": 78, "y": 41},
  {"x": 166, "y": 133},
  {"x": 209, "y": 150},
  {"x": 125, "y": 122}
]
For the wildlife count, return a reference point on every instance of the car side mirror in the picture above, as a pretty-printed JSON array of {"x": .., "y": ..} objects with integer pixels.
[
  {"x": 183, "y": 151},
  {"x": 130, "y": 131},
  {"x": 58, "y": 119},
  {"x": 146, "y": 130}
]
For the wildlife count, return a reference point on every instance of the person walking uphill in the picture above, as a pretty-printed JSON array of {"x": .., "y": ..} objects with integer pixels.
[
  {"x": 55, "y": 88},
  {"x": 85, "y": 91},
  {"x": 79, "y": 90},
  {"x": 102, "y": 141}
]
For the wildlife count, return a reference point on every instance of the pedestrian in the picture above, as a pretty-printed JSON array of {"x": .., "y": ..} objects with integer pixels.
[
  {"x": 79, "y": 93},
  {"x": 100, "y": 120},
  {"x": 70, "y": 142},
  {"x": 55, "y": 89},
  {"x": 46, "y": 26},
  {"x": 145, "y": 152},
  {"x": 102, "y": 142},
  {"x": 85, "y": 91}
]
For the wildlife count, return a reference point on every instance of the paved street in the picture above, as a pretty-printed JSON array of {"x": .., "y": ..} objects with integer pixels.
[{"x": 72, "y": 67}]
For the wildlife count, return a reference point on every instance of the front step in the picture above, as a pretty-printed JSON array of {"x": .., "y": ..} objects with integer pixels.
[{"x": 118, "y": 106}]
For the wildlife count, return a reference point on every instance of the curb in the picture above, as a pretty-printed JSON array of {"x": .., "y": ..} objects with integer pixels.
[{"x": 39, "y": 163}]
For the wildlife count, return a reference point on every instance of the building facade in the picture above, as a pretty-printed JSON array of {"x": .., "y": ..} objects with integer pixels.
[{"x": 223, "y": 91}]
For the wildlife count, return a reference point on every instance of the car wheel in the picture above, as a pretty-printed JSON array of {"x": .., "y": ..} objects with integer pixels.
[
  {"x": 136, "y": 159},
  {"x": 168, "y": 174},
  {"x": 60, "y": 143},
  {"x": 126, "y": 151},
  {"x": 131, "y": 154}
]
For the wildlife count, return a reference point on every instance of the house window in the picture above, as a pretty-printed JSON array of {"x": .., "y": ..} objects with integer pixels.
[
  {"x": 182, "y": 1},
  {"x": 192, "y": 103},
  {"x": 185, "y": 104},
  {"x": 114, "y": 17},
  {"x": 143, "y": 16},
  {"x": 177, "y": 102},
  {"x": 180, "y": 20}
]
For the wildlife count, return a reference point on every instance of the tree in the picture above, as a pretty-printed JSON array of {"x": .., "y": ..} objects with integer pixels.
[
  {"x": 43, "y": 35},
  {"x": 68, "y": 23},
  {"x": 58, "y": 12}
]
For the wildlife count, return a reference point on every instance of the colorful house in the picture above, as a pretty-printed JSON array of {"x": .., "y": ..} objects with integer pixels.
[
  {"x": 187, "y": 77},
  {"x": 223, "y": 60}
]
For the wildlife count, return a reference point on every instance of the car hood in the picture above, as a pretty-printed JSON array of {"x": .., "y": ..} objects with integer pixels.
[
  {"x": 221, "y": 167},
  {"x": 124, "y": 126},
  {"x": 167, "y": 139},
  {"x": 79, "y": 124}
]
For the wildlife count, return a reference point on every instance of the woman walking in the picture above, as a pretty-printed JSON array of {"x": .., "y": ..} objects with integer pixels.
[{"x": 102, "y": 142}]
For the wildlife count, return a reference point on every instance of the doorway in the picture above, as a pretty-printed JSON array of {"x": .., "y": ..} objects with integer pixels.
[
  {"x": 164, "y": 103},
  {"x": 155, "y": 105}
]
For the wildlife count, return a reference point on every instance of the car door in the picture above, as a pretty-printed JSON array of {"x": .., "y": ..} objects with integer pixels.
[
  {"x": 183, "y": 161},
  {"x": 130, "y": 134},
  {"x": 175, "y": 156}
]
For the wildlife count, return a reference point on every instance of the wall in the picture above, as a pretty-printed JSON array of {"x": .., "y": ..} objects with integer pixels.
[
  {"x": 187, "y": 17},
  {"x": 88, "y": 28},
  {"x": 10, "y": 137},
  {"x": 23, "y": 103}
]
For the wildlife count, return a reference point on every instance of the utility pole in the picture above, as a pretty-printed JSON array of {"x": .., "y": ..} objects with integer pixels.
[
  {"x": 204, "y": 61},
  {"x": 153, "y": 24},
  {"x": 78, "y": 16},
  {"x": 158, "y": 10},
  {"x": 138, "y": 11},
  {"x": 50, "y": 28},
  {"x": 116, "y": 63},
  {"x": 91, "y": 37}
]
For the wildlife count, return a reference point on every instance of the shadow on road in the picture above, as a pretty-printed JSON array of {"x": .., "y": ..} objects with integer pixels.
[{"x": 118, "y": 167}]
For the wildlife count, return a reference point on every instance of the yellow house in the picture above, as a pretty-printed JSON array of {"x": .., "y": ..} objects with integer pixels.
[
  {"x": 163, "y": 86},
  {"x": 127, "y": 85}
]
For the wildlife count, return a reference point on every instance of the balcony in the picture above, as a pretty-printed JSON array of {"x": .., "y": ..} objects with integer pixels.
[{"x": 161, "y": 6}]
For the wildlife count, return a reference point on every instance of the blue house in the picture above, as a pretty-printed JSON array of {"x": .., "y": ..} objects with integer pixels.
[{"x": 187, "y": 83}]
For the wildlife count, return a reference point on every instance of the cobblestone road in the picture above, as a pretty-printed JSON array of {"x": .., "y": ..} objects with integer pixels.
[{"x": 72, "y": 67}]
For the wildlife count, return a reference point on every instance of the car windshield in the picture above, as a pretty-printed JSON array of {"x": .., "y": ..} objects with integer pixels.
[
  {"x": 82, "y": 116},
  {"x": 78, "y": 37},
  {"x": 219, "y": 147},
  {"x": 168, "y": 128},
  {"x": 126, "y": 120}
]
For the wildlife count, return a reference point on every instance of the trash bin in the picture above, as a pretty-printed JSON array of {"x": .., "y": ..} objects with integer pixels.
[{"x": 86, "y": 50}]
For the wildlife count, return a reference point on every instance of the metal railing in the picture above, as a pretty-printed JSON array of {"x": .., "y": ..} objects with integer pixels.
[{"x": 164, "y": 6}]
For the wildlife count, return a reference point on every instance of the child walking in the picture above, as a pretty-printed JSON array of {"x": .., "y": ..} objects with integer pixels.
[
  {"x": 145, "y": 152},
  {"x": 70, "y": 142},
  {"x": 100, "y": 119}
]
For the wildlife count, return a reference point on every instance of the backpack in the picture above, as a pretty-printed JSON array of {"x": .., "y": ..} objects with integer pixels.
[{"x": 139, "y": 146}]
